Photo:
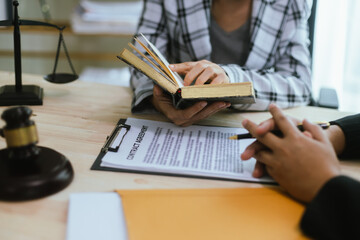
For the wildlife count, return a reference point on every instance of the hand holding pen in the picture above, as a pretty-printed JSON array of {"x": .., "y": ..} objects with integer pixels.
[
  {"x": 301, "y": 162},
  {"x": 323, "y": 125},
  {"x": 260, "y": 132}
]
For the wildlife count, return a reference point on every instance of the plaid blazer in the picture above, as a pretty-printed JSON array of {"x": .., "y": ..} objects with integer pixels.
[{"x": 278, "y": 63}]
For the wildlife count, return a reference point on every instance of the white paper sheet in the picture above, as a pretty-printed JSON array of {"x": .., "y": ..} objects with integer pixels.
[
  {"x": 196, "y": 150},
  {"x": 94, "y": 216}
]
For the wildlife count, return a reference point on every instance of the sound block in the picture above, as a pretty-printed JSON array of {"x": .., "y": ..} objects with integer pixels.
[
  {"x": 29, "y": 95},
  {"x": 42, "y": 175}
]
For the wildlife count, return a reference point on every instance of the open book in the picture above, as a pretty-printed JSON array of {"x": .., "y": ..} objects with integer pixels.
[{"x": 156, "y": 67}]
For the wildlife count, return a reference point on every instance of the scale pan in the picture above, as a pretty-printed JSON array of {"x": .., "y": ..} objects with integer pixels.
[{"x": 61, "y": 77}]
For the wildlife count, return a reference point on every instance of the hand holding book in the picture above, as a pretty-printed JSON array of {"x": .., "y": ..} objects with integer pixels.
[
  {"x": 195, "y": 101},
  {"x": 200, "y": 72},
  {"x": 188, "y": 116},
  {"x": 156, "y": 67},
  {"x": 196, "y": 73}
]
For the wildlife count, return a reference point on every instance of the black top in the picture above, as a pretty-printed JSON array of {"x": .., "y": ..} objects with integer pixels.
[
  {"x": 334, "y": 212},
  {"x": 351, "y": 127}
]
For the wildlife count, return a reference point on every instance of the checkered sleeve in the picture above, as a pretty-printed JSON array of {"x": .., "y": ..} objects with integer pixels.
[
  {"x": 286, "y": 81},
  {"x": 152, "y": 25}
]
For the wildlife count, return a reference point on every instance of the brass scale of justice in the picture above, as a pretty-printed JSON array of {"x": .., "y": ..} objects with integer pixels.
[{"x": 28, "y": 171}]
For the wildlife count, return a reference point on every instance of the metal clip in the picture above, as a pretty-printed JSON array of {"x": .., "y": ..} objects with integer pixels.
[{"x": 113, "y": 136}]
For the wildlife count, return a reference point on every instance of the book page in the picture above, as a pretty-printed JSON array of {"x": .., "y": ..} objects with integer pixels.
[
  {"x": 163, "y": 147},
  {"x": 134, "y": 61},
  {"x": 156, "y": 66},
  {"x": 163, "y": 61}
]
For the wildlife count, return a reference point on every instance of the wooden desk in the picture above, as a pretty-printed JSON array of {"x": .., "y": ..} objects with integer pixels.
[{"x": 75, "y": 120}]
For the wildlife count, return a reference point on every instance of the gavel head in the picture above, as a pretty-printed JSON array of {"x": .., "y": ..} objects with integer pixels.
[
  {"x": 20, "y": 133},
  {"x": 28, "y": 171}
]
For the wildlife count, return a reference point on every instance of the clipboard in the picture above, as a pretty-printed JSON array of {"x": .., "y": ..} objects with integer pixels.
[{"x": 110, "y": 145}]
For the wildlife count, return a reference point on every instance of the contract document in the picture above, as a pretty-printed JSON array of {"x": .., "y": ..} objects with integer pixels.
[{"x": 164, "y": 148}]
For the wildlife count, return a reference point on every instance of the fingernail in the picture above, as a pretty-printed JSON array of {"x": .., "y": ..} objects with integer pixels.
[
  {"x": 203, "y": 104},
  {"x": 244, "y": 122},
  {"x": 157, "y": 91},
  {"x": 171, "y": 66},
  {"x": 263, "y": 124},
  {"x": 272, "y": 105},
  {"x": 306, "y": 121}
]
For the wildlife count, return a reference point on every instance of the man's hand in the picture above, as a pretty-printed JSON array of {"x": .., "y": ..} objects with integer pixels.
[
  {"x": 301, "y": 162},
  {"x": 252, "y": 149}
]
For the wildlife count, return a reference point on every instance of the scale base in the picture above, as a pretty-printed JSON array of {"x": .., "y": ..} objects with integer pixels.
[
  {"x": 47, "y": 173},
  {"x": 29, "y": 95}
]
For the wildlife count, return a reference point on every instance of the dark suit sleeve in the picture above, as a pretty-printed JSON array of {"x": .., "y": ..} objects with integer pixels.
[
  {"x": 335, "y": 211},
  {"x": 350, "y": 125}
]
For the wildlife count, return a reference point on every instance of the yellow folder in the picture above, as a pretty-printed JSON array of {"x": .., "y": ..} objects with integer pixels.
[{"x": 241, "y": 213}]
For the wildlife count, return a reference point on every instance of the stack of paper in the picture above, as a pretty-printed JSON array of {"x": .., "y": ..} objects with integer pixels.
[
  {"x": 111, "y": 76},
  {"x": 106, "y": 17},
  {"x": 94, "y": 216},
  {"x": 5, "y": 10}
]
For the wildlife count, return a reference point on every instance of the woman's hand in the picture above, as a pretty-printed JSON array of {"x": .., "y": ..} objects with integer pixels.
[
  {"x": 184, "y": 117},
  {"x": 201, "y": 72},
  {"x": 301, "y": 162}
]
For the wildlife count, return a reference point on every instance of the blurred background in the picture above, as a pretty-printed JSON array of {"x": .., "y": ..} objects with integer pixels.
[
  {"x": 336, "y": 61},
  {"x": 98, "y": 30},
  {"x": 93, "y": 45}
]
